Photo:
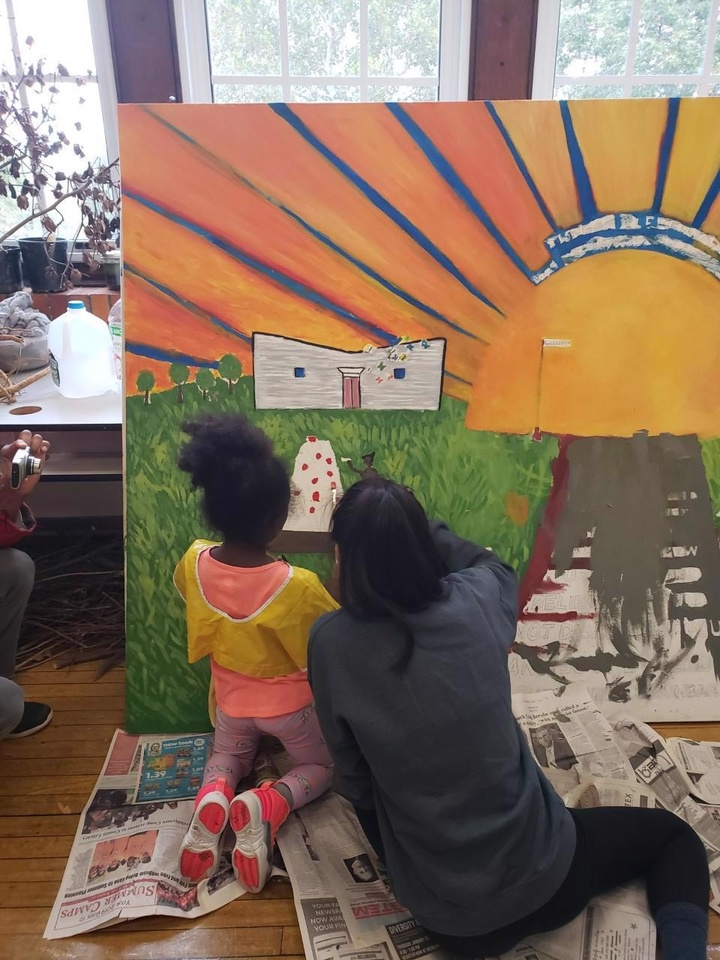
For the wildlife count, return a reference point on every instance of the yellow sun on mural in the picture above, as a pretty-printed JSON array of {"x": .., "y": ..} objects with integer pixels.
[{"x": 639, "y": 349}]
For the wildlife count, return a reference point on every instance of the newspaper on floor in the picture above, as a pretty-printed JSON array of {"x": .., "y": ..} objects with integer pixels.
[
  {"x": 570, "y": 737},
  {"x": 347, "y": 911},
  {"x": 345, "y": 908},
  {"x": 124, "y": 859},
  {"x": 701, "y": 763}
]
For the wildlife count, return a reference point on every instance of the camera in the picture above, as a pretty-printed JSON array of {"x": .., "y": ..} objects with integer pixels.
[{"x": 24, "y": 465}]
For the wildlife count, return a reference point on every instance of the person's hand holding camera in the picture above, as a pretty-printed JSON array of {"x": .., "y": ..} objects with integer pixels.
[{"x": 11, "y": 500}]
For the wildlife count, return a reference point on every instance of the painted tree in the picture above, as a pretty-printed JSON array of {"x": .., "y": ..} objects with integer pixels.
[
  {"x": 145, "y": 383},
  {"x": 179, "y": 374},
  {"x": 205, "y": 380},
  {"x": 230, "y": 369}
]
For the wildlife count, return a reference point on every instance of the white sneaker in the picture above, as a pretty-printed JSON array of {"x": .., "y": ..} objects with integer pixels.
[{"x": 200, "y": 850}]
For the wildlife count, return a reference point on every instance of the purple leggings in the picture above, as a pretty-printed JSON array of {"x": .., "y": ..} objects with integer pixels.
[{"x": 236, "y": 745}]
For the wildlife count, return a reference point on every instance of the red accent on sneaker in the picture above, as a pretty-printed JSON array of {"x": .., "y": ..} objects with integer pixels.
[{"x": 256, "y": 816}]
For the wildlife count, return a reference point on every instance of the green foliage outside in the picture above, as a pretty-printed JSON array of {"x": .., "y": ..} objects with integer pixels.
[
  {"x": 324, "y": 40},
  {"x": 489, "y": 488}
]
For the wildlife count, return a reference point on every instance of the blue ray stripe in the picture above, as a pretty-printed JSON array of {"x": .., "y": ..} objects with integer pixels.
[
  {"x": 167, "y": 292},
  {"x": 446, "y": 170},
  {"x": 379, "y": 201},
  {"x": 454, "y": 376},
  {"x": 582, "y": 179},
  {"x": 666, "y": 145},
  {"x": 706, "y": 205},
  {"x": 317, "y": 234},
  {"x": 157, "y": 353},
  {"x": 521, "y": 165},
  {"x": 294, "y": 286}
]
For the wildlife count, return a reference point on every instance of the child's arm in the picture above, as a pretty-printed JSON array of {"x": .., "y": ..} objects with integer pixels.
[{"x": 313, "y": 604}]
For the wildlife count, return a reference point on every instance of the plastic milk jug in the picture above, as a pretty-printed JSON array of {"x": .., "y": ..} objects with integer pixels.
[
  {"x": 81, "y": 353},
  {"x": 115, "y": 323}
]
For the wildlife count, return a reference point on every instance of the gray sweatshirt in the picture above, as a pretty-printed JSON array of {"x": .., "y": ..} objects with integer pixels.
[{"x": 474, "y": 835}]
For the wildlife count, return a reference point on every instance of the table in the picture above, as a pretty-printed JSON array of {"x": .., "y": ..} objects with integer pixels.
[{"x": 83, "y": 477}]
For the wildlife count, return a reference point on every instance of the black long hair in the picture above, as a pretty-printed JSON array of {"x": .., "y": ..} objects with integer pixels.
[
  {"x": 389, "y": 564},
  {"x": 245, "y": 486}
]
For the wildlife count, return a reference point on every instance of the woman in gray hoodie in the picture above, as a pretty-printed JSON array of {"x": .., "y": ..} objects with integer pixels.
[{"x": 412, "y": 690}]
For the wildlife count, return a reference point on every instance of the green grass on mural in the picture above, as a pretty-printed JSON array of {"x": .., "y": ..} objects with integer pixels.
[{"x": 489, "y": 488}]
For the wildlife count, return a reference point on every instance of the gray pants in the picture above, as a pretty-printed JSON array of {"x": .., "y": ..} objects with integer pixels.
[{"x": 17, "y": 576}]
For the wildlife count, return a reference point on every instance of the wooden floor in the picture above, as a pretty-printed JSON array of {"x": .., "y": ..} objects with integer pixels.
[{"x": 46, "y": 780}]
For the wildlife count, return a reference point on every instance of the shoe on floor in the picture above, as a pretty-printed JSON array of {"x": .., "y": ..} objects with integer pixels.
[
  {"x": 36, "y": 716},
  {"x": 200, "y": 850},
  {"x": 255, "y": 817}
]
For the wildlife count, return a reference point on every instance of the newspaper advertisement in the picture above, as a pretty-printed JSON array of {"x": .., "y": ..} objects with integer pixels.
[
  {"x": 570, "y": 737},
  {"x": 701, "y": 763},
  {"x": 124, "y": 860}
]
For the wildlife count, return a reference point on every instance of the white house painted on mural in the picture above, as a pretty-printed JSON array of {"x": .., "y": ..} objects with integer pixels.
[{"x": 295, "y": 375}]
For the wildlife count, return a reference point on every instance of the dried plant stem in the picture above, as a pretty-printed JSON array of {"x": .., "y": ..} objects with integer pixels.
[{"x": 8, "y": 393}]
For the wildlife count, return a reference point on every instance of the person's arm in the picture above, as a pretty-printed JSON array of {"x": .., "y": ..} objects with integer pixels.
[
  {"x": 351, "y": 775},
  {"x": 478, "y": 563},
  {"x": 16, "y": 520},
  {"x": 314, "y": 602}
]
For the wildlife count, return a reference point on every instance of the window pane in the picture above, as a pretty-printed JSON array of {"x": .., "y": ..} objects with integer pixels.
[
  {"x": 716, "y": 61},
  {"x": 593, "y": 37},
  {"x": 247, "y": 93},
  {"x": 587, "y": 92},
  {"x": 244, "y": 37},
  {"x": 672, "y": 37},
  {"x": 403, "y": 38},
  {"x": 715, "y": 91},
  {"x": 61, "y": 32},
  {"x": 324, "y": 38},
  {"x": 402, "y": 93},
  {"x": 666, "y": 90},
  {"x": 321, "y": 93}
]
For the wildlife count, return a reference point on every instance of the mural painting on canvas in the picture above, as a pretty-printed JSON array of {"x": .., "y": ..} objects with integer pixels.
[{"x": 420, "y": 313}]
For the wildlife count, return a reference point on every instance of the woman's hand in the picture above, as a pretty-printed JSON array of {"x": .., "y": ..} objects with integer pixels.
[{"x": 11, "y": 500}]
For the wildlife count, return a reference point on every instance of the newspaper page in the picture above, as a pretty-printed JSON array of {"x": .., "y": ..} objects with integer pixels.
[
  {"x": 570, "y": 737},
  {"x": 344, "y": 904},
  {"x": 652, "y": 762},
  {"x": 124, "y": 860},
  {"x": 701, "y": 763},
  {"x": 611, "y": 793},
  {"x": 612, "y": 927}
]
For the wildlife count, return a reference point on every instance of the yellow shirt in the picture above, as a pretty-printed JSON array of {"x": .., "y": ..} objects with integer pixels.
[{"x": 272, "y": 642}]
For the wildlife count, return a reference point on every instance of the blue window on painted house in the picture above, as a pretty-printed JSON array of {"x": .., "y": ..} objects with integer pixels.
[
  {"x": 399, "y": 373},
  {"x": 299, "y": 373}
]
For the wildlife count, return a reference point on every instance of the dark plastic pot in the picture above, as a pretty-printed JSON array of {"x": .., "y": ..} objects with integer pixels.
[
  {"x": 10, "y": 271},
  {"x": 44, "y": 264}
]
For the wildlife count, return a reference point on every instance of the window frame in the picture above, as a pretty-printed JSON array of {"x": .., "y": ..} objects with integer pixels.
[
  {"x": 545, "y": 78},
  {"x": 193, "y": 46}
]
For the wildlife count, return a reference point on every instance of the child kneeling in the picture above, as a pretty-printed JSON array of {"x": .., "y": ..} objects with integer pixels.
[{"x": 251, "y": 614}]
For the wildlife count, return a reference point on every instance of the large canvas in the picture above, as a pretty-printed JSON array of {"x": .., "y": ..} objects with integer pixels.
[{"x": 512, "y": 307}]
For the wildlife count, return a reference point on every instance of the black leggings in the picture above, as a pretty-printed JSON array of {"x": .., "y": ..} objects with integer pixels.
[{"x": 614, "y": 846}]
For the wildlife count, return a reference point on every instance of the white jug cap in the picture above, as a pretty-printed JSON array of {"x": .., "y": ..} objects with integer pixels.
[{"x": 76, "y": 305}]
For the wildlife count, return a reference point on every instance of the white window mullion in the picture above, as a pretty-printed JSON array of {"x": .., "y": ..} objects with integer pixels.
[
  {"x": 455, "y": 30},
  {"x": 546, "y": 48},
  {"x": 193, "y": 42},
  {"x": 707, "y": 66},
  {"x": 100, "y": 32},
  {"x": 632, "y": 47},
  {"x": 364, "y": 49},
  {"x": 284, "y": 49}
]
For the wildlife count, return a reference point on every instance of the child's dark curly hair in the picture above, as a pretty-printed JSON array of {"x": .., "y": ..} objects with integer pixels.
[{"x": 245, "y": 486}]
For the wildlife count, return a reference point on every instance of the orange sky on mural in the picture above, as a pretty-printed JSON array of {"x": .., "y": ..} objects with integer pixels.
[{"x": 353, "y": 224}]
